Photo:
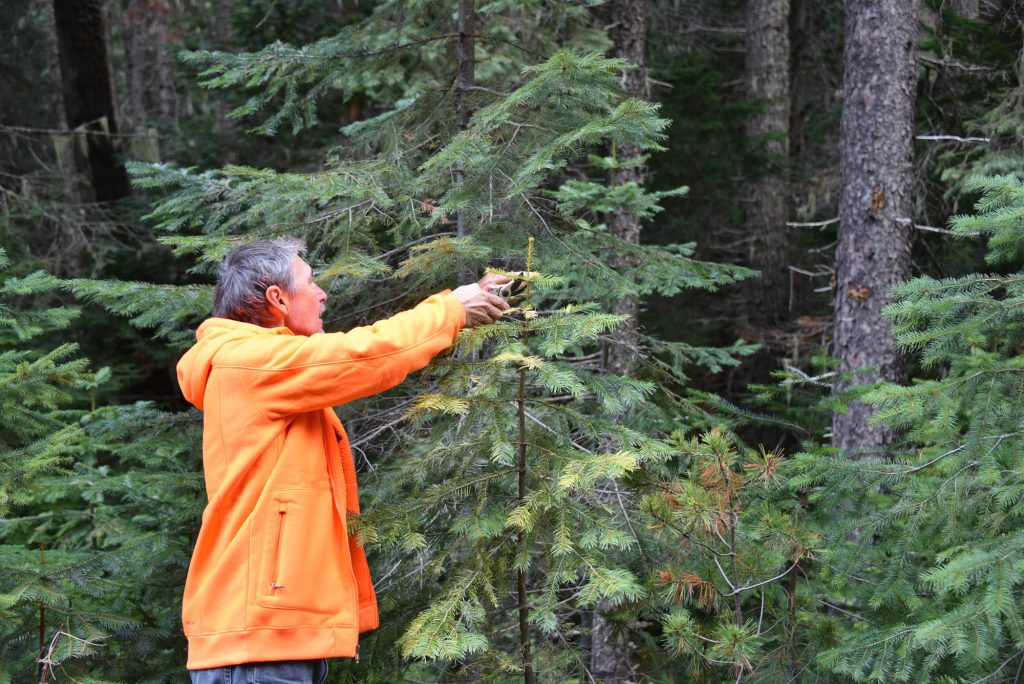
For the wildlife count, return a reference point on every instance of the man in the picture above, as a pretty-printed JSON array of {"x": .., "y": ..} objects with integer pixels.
[{"x": 276, "y": 584}]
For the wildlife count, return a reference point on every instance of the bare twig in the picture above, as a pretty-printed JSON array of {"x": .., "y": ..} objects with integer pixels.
[
  {"x": 955, "y": 138},
  {"x": 844, "y": 612},
  {"x": 956, "y": 64},
  {"x": 804, "y": 377},
  {"x": 812, "y": 224},
  {"x": 767, "y": 581},
  {"x": 929, "y": 229},
  {"x": 936, "y": 459},
  {"x": 81, "y": 130}
]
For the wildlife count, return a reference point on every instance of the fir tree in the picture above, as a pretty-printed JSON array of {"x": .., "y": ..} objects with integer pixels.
[{"x": 39, "y": 436}]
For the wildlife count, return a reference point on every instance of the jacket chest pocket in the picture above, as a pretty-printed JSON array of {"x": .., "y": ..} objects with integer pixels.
[{"x": 304, "y": 564}]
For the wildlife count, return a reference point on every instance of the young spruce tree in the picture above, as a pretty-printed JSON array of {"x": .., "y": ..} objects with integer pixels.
[{"x": 46, "y": 615}]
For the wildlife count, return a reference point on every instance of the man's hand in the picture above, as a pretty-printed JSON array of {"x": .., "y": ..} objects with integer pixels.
[{"x": 482, "y": 307}]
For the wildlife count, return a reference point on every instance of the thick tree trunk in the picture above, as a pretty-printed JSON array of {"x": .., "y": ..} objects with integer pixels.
[
  {"x": 88, "y": 93},
  {"x": 610, "y": 657},
  {"x": 767, "y": 83},
  {"x": 876, "y": 153}
]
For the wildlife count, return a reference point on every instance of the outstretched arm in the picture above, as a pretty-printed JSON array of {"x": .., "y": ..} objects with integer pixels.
[{"x": 301, "y": 373}]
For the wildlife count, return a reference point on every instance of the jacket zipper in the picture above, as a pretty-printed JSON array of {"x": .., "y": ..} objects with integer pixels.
[{"x": 281, "y": 510}]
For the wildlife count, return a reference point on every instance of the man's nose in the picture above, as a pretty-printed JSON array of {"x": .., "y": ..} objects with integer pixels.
[{"x": 321, "y": 295}]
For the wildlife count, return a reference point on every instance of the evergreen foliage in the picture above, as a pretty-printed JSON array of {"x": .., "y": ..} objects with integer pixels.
[
  {"x": 463, "y": 495},
  {"x": 38, "y": 437},
  {"x": 720, "y": 561},
  {"x": 35, "y": 434},
  {"x": 98, "y": 507},
  {"x": 379, "y": 218},
  {"x": 925, "y": 546},
  {"x": 732, "y": 541}
]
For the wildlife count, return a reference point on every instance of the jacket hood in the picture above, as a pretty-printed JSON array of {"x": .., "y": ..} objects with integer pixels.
[{"x": 215, "y": 336}]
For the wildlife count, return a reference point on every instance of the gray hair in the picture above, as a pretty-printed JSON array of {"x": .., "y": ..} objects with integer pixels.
[{"x": 248, "y": 271}]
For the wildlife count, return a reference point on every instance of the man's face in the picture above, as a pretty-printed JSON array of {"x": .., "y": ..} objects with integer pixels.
[{"x": 307, "y": 304}]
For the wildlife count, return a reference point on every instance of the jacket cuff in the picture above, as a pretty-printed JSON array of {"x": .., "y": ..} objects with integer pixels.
[{"x": 455, "y": 305}]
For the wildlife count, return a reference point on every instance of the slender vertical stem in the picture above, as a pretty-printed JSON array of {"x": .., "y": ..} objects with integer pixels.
[
  {"x": 465, "y": 76},
  {"x": 524, "y": 608},
  {"x": 734, "y": 519},
  {"x": 465, "y": 63},
  {"x": 738, "y": 600},
  {"x": 791, "y": 592},
  {"x": 42, "y": 623}
]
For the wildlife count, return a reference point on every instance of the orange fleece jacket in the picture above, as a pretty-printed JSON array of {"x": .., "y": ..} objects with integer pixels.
[{"x": 275, "y": 574}]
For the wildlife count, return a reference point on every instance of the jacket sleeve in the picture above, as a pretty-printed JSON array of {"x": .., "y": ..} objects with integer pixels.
[{"x": 300, "y": 373}]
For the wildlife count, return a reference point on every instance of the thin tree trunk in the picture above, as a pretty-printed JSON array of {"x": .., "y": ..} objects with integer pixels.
[
  {"x": 873, "y": 249},
  {"x": 167, "y": 96},
  {"x": 521, "y": 578},
  {"x": 226, "y": 125},
  {"x": 465, "y": 75},
  {"x": 88, "y": 92},
  {"x": 521, "y": 593},
  {"x": 767, "y": 83},
  {"x": 610, "y": 657},
  {"x": 42, "y": 622},
  {"x": 628, "y": 34},
  {"x": 135, "y": 50}
]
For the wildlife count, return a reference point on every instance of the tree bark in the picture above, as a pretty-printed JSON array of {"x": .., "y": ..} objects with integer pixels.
[
  {"x": 766, "y": 299},
  {"x": 135, "y": 50},
  {"x": 968, "y": 9},
  {"x": 610, "y": 657},
  {"x": 873, "y": 249},
  {"x": 767, "y": 83},
  {"x": 798, "y": 77},
  {"x": 88, "y": 92},
  {"x": 628, "y": 34},
  {"x": 167, "y": 96}
]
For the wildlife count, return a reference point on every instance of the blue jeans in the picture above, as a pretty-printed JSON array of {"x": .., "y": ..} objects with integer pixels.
[{"x": 277, "y": 672}]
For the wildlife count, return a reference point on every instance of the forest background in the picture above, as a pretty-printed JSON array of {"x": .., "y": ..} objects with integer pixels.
[{"x": 757, "y": 418}]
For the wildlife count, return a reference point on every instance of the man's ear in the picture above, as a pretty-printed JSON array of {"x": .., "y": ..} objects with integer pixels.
[{"x": 277, "y": 302}]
